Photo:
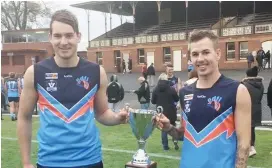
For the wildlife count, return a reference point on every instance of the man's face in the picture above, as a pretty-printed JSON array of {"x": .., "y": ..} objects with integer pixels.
[
  {"x": 64, "y": 40},
  {"x": 169, "y": 71},
  {"x": 204, "y": 56}
]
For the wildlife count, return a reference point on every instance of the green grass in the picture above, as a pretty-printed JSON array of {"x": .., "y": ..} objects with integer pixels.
[{"x": 120, "y": 137}]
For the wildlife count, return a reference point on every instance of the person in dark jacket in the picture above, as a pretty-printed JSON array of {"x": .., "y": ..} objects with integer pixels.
[
  {"x": 269, "y": 96},
  {"x": 124, "y": 66},
  {"x": 255, "y": 87},
  {"x": 151, "y": 74},
  {"x": 267, "y": 60},
  {"x": 250, "y": 59},
  {"x": 143, "y": 93},
  {"x": 115, "y": 93},
  {"x": 166, "y": 96},
  {"x": 130, "y": 65}
]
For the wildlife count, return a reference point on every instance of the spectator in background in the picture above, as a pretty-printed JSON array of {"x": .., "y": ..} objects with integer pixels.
[
  {"x": 260, "y": 58},
  {"x": 190, "y": 65},
  {"x": 256, "y": 89},
  {"x": 250, "y": 59},
  {"x": 3, "y": 97},
  {"x": 192, "y": 75},
  {"x": 267, "y": 59},
  {"x": 269, "y": 96},
  {"x": 13, "y": 95},
  {"x": 115, "y": 93},
  {"x": 151, "y": 74},
  {"x": 144, "y": 71},
  {"x": 130, "y": 65},
  {"x": 143, "y": 93},
  {"x": 124, "y": 66},
  {"x": 166, "y": 96},
  {"x": 171, "y": 77}
]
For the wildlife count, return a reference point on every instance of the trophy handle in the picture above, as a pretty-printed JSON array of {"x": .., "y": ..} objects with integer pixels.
[
  {"x": 159, "y": 109},
  {"x": 127, "y": 106}
]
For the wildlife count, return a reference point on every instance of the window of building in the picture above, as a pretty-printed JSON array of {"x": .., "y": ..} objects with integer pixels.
[
  {"x": 99, "y": 58},
  {"x": 22, "y": 37},
  {"x": 117, "y": 57},
  {"x": 5, "y": 60},
  {"x": 18, "y": 60},
  {"x": 166, "y": 55},
  {"x": 7, "y": 38},
  {"x": 141, "y": 56},
  {"x": 243, "y": 50},
  {"x": 230, "y": 51}
]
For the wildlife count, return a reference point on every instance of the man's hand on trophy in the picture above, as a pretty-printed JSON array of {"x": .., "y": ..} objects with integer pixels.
[
  {"x": 123, "y": 115},
  {"x": 162, "y": 122}
]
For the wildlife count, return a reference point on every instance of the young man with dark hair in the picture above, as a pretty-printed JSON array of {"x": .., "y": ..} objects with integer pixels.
[
  {"x": 71, "y": 93},
  {"x": 216, "y": 112}
]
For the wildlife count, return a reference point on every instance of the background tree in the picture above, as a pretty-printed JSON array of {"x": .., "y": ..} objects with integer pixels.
[{"x": 21, "y": 15}]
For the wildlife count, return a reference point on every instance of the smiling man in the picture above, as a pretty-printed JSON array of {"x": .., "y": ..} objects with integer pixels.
[
  {"x": 70, "y": 92},
  {"x": 217, "y": 112}
]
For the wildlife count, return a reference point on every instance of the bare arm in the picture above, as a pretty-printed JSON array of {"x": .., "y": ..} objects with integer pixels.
[
  {"x": 28, "y": 100},
  {"x": 103, "y": 114},
  {"x": 243, "y": 126}
]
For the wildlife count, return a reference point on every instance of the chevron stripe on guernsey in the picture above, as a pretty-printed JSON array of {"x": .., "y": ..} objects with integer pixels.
[
  {"x": 46, "y": 101},
  {"x": 221, "y": 124}
]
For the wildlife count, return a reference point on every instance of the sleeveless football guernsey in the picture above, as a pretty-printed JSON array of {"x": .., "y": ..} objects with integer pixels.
[
  {"x": 67, "y": 135},
  {"x": 208, "y": 118}
]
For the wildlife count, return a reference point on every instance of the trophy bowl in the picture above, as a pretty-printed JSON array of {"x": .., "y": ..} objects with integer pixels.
[{"x": 142, "y": 126}]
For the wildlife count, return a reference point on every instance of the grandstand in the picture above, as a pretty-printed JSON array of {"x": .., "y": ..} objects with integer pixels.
[{"x": 163, "y": 26}]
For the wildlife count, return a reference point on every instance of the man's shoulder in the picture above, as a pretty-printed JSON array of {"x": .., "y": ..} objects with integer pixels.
[{"x": 186, "y": 90}]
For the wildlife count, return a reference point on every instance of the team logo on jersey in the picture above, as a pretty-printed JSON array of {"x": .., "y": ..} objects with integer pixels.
[
  {"x": 214, "y": 102},
  {"x": 51, "y": 75},
  {"x": 188, "y": 97},
  {"x": 83, "y": 81},
  {"x": 187, "y": 105},
  {"x": 51, "y": 85}
]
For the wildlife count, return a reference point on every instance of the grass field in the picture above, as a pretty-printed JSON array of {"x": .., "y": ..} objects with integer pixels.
[{"x": 120, "y": 138}]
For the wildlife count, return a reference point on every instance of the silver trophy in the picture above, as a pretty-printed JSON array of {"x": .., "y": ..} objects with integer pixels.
[{"x": 141, "y": 123}]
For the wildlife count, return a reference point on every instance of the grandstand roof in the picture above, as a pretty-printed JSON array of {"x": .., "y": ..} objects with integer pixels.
[{"x": 103, "y": 6}]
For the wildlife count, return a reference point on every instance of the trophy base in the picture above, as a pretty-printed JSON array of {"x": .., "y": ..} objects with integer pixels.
[{"x": 130, "y": 165}]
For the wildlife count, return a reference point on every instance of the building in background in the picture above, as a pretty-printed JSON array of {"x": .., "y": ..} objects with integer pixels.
[
  {"x": 22, "y": 48},
  {"x": 161, "y": 29}
]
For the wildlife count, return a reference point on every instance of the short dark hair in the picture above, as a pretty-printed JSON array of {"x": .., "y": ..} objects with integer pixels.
[
  {"x": 198, "y": 35},
  {"x": 169, "y": 65},
  {"x": 65, "y": 16}
]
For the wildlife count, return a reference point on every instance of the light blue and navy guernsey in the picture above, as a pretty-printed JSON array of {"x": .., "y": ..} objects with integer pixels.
[
  {"x": 67, "y": 135},
  {"x": 12, "y": 87},
  {"x": 208, "y": 119}
]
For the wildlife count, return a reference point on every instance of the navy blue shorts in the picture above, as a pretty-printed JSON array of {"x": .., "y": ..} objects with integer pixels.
[
  {"x": 13, "y": 99},
  {"x": 96, "y": 165}
]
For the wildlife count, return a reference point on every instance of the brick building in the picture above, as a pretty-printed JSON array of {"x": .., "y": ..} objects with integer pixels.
[
  {"x": 160, "y": 32},
  {"x": 22, "y": 48}
]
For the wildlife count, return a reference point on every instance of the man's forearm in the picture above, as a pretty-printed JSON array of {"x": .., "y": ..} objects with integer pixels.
[
  {"x": 24, "y": 132},
  {"x": 176, "y": 133},
  {"x": 108, "y": 118},
  {"x": 242, "y": 156}
]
